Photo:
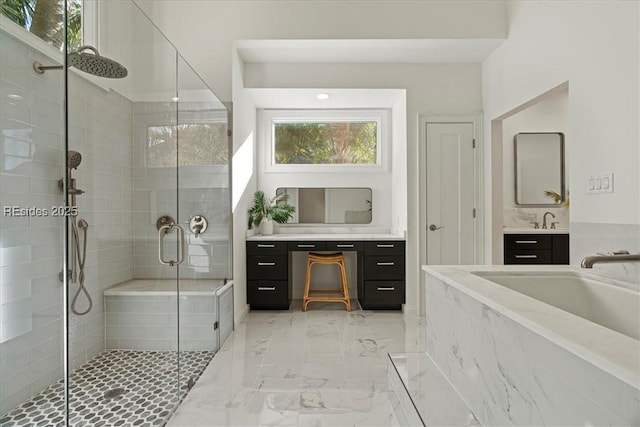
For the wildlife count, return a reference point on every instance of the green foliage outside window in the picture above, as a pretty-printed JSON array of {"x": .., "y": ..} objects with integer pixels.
[
  {"x": 44, "y": 18},
  {"x": 326, "y": 143},
  {"x": 188, "y": 144}
]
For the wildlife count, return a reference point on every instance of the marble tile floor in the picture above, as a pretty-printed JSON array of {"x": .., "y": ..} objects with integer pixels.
[
  {"x": 424, "y": 393},
  {"x": 148, "y": 380},
  {"x": 322, "y": 367}
]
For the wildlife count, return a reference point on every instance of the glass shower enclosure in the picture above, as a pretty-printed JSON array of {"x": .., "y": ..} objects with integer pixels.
[{"x": 115, "y": 232}]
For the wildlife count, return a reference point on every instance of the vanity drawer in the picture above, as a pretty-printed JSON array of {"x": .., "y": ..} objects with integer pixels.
[
  {"x": 527, "y": 241},
  {"x": 383, "y": 267},
  {"x": 384, "y": 293},
  {"x": 307, "y": 246},
  {"x": 266, "y": 267},
  {"x": 266, "y": 248},
  {"x": 268, "y": 294},
  {"x": 343, "y": 246},
  {"x": 384, "y": 247},
  {"x": 528, "y": 256}
]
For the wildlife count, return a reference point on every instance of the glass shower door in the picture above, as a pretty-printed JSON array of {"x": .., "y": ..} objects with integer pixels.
[
  {"x": 203, "y": 200},
  {"x": 123, "y": 345}
]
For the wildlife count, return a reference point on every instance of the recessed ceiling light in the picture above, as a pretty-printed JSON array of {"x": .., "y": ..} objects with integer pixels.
[
  {"x": 323, "y": 96},
  {"x": 174, "y": 99},
  {"x": 15, "y": 97}
]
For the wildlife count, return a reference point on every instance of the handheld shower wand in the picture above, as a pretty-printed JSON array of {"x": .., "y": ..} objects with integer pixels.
[{"x": 78, "y": 257}]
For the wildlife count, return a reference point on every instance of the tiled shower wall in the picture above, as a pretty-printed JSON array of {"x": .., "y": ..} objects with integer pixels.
[
  {"x": 32, "y": 147},
  {"x": 204, "y": 190}
]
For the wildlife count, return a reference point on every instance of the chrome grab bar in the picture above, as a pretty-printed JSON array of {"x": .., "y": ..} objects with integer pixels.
[{"x": 164, "y": 230}]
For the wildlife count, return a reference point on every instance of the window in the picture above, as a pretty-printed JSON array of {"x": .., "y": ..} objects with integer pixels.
[
  {"x": 199, "y": 144},
  {"x": 325, "y": 143},
  {"x": 44, "y": 18},
  {"x": 328, "y": 138}
]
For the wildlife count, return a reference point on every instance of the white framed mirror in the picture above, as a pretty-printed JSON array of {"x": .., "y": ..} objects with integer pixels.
[{"x": 539, "y": 168}]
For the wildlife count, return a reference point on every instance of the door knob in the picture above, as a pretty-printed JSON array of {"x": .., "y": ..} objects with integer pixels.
[{"x": 434, "y": 227}]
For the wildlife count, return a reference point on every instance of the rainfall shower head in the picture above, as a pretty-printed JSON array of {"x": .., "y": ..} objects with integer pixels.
[
  {"x": 92, "y": 63},
  {"x": 74, "y": 159}
]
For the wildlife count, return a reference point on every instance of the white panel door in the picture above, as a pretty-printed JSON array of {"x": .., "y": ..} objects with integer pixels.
[{"x": 451, "y": 228}]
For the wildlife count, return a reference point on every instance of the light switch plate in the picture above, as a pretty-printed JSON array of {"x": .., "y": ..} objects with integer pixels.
[{"x": 601, "y": 183}]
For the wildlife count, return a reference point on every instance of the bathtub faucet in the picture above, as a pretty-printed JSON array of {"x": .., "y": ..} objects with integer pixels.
[{"x": 617, "y": 256}]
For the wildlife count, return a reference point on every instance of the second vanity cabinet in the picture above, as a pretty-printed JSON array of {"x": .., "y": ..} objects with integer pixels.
[{"x": 536, "y": 248}]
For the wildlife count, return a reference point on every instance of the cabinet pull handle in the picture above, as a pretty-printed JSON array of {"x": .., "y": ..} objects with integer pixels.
[
  {"x": 306, "y": 246},
  {"x": 531, "y": 242},
  {"x": 264, "y": 245},
  {"x": 526, "y": 256},
  {"x": 344, "y": 245},
  {"x": 391, "y": 288},
  {"x": 381, "y": 245},
  {"x": 266, "y": 288},
  {"x": 266, "y": 264},
  {"x": 384, "y": 264}
]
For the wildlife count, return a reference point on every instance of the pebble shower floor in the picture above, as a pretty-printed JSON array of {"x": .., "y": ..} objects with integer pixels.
[{"x": 148, "y": 379}]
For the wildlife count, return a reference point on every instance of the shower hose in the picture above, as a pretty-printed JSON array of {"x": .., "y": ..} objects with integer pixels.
[{"x": 81, "y": 257}]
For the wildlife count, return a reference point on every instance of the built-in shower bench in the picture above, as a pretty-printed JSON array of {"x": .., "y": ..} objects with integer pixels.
[{"x": 152, "y": 314}]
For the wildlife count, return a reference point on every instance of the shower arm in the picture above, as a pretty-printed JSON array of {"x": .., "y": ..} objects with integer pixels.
[{"x": 40, "y": 69}]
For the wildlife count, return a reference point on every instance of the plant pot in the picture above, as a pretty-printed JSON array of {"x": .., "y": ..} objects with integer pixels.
[{"x": 266, "y": 227}]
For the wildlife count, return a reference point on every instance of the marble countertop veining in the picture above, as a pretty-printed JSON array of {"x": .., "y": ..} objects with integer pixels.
[
  {"x": 609, "y": 350},
  {"x": 531, "y": 230}
]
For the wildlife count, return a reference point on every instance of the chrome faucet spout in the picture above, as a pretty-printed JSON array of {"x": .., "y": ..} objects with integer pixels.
[
  {"x": 622, "y": 256},
  {"x": 544, "y": 219}
]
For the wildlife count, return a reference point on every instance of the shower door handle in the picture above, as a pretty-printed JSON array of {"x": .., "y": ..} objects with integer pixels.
[{"x": 164, "y": 230}]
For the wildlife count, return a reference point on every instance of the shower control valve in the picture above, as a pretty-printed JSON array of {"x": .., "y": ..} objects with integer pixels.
[{"x": 198, "y": 224}]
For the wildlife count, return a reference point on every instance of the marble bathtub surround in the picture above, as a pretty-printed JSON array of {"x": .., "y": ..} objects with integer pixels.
[
  {"x": 324, "y": 367},
  {"x": 516, "y": 360}
]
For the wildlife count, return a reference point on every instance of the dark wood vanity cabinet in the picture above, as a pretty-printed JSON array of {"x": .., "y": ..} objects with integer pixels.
[
  {"x": 268, "y": 275},
  {"x": 383, "y": 286},
  {"x": 536, "y": 249},
  {"x": 380, "y": 274}
]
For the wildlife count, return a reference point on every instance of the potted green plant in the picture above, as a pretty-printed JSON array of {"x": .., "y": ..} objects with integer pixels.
[{"x": 265, "y": 211}]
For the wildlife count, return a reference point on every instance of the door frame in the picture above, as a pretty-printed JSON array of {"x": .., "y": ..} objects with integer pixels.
[{"x": 423, "y": 120}]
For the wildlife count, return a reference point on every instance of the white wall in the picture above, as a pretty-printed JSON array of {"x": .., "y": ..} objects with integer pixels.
[
  {"x": 594, "y": 45},
  {"x": 215, "y": 25},
  {"x": 243, "y": 183}
]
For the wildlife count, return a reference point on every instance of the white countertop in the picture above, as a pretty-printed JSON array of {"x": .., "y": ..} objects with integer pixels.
[
  {"x": 531, "y": 230},
  {"x": 609, "y": 350},
  {"x": 327, "y": 236}
]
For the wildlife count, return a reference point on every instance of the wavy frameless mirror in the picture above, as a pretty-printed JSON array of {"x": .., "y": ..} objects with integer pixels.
[
  {"x": 329, "y": 205},
  {"x": 539, "y": 168}
]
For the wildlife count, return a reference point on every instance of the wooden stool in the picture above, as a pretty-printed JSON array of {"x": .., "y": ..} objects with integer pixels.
[{"x": 334, "y": 258}]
